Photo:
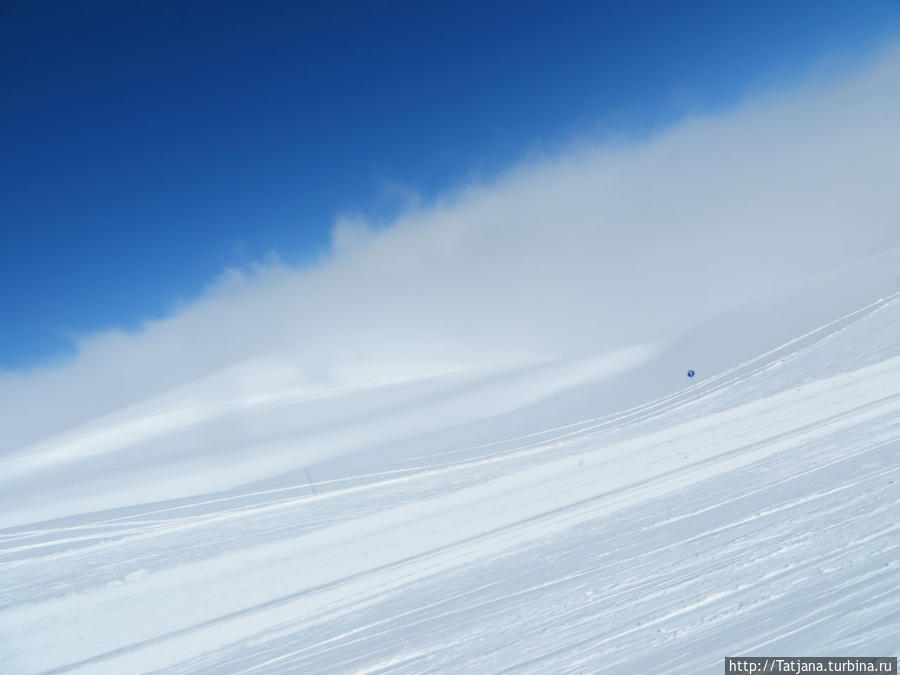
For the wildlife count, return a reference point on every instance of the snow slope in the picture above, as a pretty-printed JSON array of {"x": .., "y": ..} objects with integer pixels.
[{"x": 594, "y": 514}]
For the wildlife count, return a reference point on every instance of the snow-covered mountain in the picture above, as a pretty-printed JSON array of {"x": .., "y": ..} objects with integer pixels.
[{"x": 599, "y": 513}]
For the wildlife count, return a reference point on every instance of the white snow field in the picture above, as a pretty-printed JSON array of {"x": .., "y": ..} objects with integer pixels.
[{"x": 601, "y": 513}]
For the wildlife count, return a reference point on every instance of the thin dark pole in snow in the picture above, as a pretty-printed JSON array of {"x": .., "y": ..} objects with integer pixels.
[{"x": 309, "y": 478}]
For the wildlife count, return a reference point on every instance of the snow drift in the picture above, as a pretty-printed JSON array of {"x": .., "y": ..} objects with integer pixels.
[
  {"x": 606, "y": 245},
  {"x": 465, "y": 441}
]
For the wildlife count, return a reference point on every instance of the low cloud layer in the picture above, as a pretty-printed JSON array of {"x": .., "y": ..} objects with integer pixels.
[{"x": 604, "y": 246}]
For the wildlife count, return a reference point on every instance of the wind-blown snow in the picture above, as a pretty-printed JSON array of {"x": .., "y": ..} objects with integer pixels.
[
  {"x": 754, "y": 511},
  {"x": 602, "y": 246},
  {"x": 466, "y": 442}
]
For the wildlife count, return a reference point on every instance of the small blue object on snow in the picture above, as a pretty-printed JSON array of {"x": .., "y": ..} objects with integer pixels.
[{"x": 691, "y": 373}]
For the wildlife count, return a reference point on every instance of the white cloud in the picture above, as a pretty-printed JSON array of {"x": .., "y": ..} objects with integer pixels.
[{"x": 602, "y": 246}]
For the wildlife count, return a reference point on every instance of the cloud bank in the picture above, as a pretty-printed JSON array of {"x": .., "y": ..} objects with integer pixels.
[{"x": 603, "y": 246}]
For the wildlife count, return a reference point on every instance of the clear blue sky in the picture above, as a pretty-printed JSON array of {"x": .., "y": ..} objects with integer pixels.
[{"x": 145, "y": 146}]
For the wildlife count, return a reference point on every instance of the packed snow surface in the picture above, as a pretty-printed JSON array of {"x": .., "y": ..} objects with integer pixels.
[{"x": 600, "y": 513}]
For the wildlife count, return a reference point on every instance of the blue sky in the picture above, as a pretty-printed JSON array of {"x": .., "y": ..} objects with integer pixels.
[{"x": 148, "y": 146}]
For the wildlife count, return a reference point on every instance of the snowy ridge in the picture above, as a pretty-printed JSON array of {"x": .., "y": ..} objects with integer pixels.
[{"x": 753, "y": 512}]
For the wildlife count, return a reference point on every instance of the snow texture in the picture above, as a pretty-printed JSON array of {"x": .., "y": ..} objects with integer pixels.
[{"x": 601, "y": 513}]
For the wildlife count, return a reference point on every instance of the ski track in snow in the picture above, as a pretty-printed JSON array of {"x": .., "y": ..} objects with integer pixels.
[{"x": 756, "y": 512}]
